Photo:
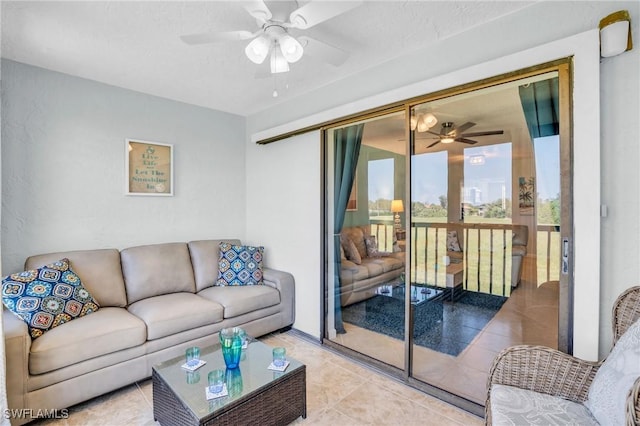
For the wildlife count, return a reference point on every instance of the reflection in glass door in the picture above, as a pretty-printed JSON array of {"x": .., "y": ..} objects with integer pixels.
[
  {"x": 474, "y": 231},
  {"x": 438, "y": 261},
  {"x": 366, "y": 188}
]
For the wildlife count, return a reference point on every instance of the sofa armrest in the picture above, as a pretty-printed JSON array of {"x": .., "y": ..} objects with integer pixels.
[
  {"x": 285, "y": 284},
  {"x": 17, "y": 343},
  {"x": 347, "y": 265},
  {"x": 543, "y": 370}
]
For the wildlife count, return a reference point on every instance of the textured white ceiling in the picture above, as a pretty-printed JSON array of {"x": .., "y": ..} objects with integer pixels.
[{"x": 136, "y": 45}]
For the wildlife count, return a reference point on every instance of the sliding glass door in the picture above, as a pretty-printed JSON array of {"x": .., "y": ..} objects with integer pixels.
[{"x": 445, "y": 218}]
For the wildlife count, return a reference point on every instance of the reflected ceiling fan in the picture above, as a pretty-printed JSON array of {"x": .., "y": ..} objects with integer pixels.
[
  {"x": 450, "y": 133},
  {"x": 275, "y": 19}
]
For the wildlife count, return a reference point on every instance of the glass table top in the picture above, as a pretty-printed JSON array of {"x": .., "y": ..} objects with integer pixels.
[{"x": 252, "y": 375}]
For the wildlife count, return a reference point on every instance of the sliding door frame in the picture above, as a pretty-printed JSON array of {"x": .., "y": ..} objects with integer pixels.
[{"x": 564, "y": 67}]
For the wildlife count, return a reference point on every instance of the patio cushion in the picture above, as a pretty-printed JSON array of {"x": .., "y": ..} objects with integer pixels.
[
  {"x": 615, "y": 377},
  {"x": 514, "y": 406}
]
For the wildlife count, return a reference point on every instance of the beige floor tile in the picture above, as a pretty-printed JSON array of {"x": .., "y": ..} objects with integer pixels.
[
  {"x": 529, "y": 316},
  {"x": 339, "y": 392}
]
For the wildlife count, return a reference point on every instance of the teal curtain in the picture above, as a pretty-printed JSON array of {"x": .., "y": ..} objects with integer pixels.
[
  {"x": 347, "y": 141},
  {"x": 540, "y": 103}
]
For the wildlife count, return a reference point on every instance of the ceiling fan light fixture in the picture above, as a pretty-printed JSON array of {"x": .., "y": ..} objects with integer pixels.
[
  {"x": 414, "y": 123},
  {"x": 422, "y": 125},
  {"x": 258, "y": 49},
  {"x": 430, "y": 119},
  {"x": 291, "y": 49},
  {"x": 278, "y": 62},
  {"x": 447, "y": 140}
]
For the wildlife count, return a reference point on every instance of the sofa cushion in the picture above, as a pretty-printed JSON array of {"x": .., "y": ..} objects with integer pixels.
[
  {"x": 353, "y": 274},
  {"x": 388, "y": 263},
  {"x": 356, "y": 234},
  {"x": 351, "y": 251},
  {"x": 168, "y": 314},
  {"x": 515, "y": 406},
  {"x": 47, "y": 297},
  {"x": 205, "y": 255},
  {"x": 373, "y": 267},
  {"x": 240, "y": 265},
  {"x": 157, "y": 269},
  {"x": 100, "y": 270},
  {"x": 238, "y": 300},
  {"x": 372, "y": 245},
  {"x": 108, "y": 330},
  {"x": 615, "y": 377}
]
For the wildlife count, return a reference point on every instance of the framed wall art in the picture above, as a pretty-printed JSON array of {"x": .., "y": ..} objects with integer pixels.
[{"x": 149, "y": 168}]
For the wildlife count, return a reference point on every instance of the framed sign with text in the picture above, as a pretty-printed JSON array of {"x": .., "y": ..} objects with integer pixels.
[{"x": 149, "y": 168}]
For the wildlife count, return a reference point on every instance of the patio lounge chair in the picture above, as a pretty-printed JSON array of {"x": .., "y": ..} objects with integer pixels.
[{"x": 539, "y": 385}]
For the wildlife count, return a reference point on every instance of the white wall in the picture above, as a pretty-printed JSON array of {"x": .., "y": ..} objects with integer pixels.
[
  {"x": 63, "y": 147},
  {"x": 284, "y": 213},
  {"x": 618, "y": 99}
]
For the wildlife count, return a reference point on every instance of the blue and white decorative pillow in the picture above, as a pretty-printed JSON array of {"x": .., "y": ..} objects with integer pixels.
[
  {"x": 47, "y": 297},
  {"x": 240, "y": 265}
]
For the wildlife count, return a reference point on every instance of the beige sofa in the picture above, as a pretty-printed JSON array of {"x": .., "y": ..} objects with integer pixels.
[
  {"x": 155, "y": 301},
  {"x": 359, "y": 281}
]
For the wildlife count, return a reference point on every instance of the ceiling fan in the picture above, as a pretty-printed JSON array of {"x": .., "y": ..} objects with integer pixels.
[
  {"x": 276, "y": 19},
  {"x": 450, "y": 133}
]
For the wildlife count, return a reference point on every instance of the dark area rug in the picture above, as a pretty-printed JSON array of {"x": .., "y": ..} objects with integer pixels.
[{"x": 441, "y": 325}]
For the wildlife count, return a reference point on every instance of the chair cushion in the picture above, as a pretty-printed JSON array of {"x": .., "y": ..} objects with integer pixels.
[
  {"x": 238, "y": 300},
  {"x": 47, "y": 297},
  {"x": 172, "y": 313},
  {"x": 452, "y": 241},
  {"x": 514, "y": 406},
  {"x": 105, "y": 331},
  {"x": 239, "y": 265},
  {"x": 615, "y": 377}
]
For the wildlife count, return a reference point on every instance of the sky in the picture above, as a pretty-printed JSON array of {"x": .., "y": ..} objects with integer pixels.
[{"x": 429, "y": 179}]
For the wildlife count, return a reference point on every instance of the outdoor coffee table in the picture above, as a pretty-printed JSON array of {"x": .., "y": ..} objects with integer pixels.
[{"x": 257, "y": 395}]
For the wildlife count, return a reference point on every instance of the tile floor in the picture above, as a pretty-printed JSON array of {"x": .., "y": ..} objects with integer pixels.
[
  {"x": 339, "y": 392},
  {"x": 529, "y": 316}
]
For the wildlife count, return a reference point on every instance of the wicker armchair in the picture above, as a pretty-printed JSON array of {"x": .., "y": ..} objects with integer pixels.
[{"x": 544, "y": 370}]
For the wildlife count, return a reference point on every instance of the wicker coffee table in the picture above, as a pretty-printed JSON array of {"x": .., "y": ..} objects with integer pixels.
[{"x": 257, "y": 395}]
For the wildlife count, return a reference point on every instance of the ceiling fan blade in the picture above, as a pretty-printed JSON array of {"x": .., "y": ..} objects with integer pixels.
[
  {"x": 323, "y": 51},
  {"x": 257, "y": 9},
  {"x": 488, "y": 133},
  {"x": 433, "y": 133},
  {"x": 463, "y": 127},
  {"x": 434, "y": 144},
  {"x": 212, "y": 37},
  {"x": 316, "y": 12},
  {"x": 463, "y": 140}
]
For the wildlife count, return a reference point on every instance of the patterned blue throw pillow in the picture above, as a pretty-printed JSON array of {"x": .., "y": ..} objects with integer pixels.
[
  {"x": 239, "y": 265},
  {"x": 47, "y": 297}
]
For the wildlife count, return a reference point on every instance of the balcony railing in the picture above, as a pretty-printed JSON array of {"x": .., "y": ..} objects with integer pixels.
[{"x": 486, "y": 254}]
